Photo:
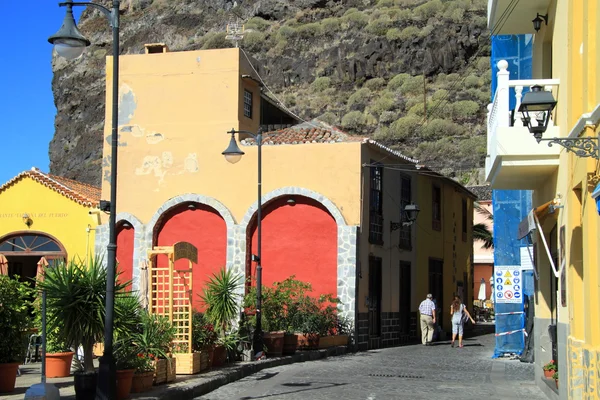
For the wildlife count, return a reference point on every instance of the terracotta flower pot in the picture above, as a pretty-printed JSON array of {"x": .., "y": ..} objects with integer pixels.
[
  {"x": 211, "y": 355},
  {"x": 58, "y": 365},
  {"x": 142, "y": 382},
  {"x": 124, "y": 380},
  {"x": 548, "y": 373},
  {"x": 8, "y": 377},
  {"x": 274, "y": 343},
  {"x": 290, "y": 343},
  {"x": 220, "y": 356}
]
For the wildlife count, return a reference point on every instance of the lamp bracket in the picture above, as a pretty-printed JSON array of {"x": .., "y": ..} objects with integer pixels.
[
  {"x": 114, "y": 22},
  {"x": 582, "y": 147},
  {"x": 397, "y": 225}
]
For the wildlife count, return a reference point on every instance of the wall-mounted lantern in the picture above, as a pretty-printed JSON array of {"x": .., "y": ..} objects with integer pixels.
[
  {"x": 537, "y": 21},
  {"x": 538, "y": 104},
  {"x": 408, "y": 216}
]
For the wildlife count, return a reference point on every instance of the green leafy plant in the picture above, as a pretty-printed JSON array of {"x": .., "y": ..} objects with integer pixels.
[
  {"x": 221, "y": 299},
  {"x": 555, "y": 376},
  {"x": 154, "y": 336},
  {"x": 203, "y": 333},
  {"x": 14, "y": 318},
  {"x": 550, "y": 366},
  {"x": 75, "y": 297}
]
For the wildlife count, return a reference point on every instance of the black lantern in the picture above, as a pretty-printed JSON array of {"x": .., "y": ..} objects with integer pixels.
[
  {"x": 233, "y": 153},
  {"x": 408, "y": 217},
  {"x": 540, "y": 103},
  {"x": 537, "y": 21}
]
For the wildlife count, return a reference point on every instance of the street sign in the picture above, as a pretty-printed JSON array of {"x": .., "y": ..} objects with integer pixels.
[{"x": 508, "y": 284}]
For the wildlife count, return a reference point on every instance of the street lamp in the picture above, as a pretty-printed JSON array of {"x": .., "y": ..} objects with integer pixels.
[
  {"x": 70, "y": 43},
  {"x": 541, "y": 103},
  {"x": 408, "y": 216},
  {"x": 233, "y": 154}
]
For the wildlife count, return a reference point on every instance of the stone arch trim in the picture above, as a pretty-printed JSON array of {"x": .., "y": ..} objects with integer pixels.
[
  {"x": 196, "y": 198},
  {"x": 299, "y": 191}
]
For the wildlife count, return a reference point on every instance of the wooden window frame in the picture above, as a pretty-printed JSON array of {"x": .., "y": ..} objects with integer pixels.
[
  {"x": 376, "y": 204},
  {"x": 248, "y": 103},
  {"x": 405, "y": 236},
  {"x": 436, "y": 208}
]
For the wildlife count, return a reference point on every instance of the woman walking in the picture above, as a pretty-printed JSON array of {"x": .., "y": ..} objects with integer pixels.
[{"x": 458, "y": 312}]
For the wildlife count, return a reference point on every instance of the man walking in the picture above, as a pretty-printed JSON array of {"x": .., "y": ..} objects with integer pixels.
[{"x": 427, "y": 310}]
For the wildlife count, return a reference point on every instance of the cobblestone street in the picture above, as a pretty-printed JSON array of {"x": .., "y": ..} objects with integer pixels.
[{"x": 409, "y": 372}]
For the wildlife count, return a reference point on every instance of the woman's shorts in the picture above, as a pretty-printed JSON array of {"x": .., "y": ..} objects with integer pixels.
[{"x": 457, "y": 328}]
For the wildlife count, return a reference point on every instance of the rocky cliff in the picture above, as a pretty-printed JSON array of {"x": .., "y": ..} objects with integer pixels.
[{"x": 412, "y": 73}]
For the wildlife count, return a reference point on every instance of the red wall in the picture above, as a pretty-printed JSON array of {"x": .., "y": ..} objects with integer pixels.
[
  {"x": 125, "y": 236},
  {"x": 298, "y": 240},
  {"x": 205, "y": 229}
]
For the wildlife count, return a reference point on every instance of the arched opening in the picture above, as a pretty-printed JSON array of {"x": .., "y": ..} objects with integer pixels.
[
  {"x": 24, "y": 249},
  {"x": 299, "y": 237},
  {"x": 125, "y": 245},
  {"x": 201, "y": 226}
]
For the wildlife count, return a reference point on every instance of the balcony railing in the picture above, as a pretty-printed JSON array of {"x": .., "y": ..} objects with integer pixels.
[{"x": 509, "y": 142}]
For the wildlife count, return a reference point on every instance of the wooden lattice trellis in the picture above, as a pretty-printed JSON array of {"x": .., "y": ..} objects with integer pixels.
[{"x": 171, "y": 296}]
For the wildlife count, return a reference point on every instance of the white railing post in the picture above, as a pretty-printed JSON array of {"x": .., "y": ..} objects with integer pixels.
[
  {"x": 519, "y": 96},
  {"x": 502, "y": 93}
]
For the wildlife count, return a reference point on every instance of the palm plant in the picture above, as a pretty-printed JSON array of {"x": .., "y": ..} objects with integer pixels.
[
  {"x": 77, "y": 292},
  {"x": 221, "y": 299},
  {"x": 481, "y": 231}
]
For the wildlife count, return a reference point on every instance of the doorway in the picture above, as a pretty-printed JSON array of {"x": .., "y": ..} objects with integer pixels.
[
  {"x": 405, "y": 297},
  {"x": 374, "y": 296},
  {"x": 436, "y": 287}
]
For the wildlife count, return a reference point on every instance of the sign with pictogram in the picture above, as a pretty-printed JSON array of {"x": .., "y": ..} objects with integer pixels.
[{"x": 508, "y": 284}]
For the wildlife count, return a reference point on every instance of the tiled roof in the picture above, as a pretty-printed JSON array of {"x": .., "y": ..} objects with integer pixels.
[
  {"x": 482, "y": 192},
  {"x": 79, "y": 192},
  {"x": 308, "y": 132}
]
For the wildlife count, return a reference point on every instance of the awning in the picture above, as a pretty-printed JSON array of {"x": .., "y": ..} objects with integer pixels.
[{"x": 532, "y": 224}]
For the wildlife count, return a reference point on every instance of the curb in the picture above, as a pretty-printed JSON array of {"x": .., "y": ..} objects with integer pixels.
[{"x": 193, "y": 386}]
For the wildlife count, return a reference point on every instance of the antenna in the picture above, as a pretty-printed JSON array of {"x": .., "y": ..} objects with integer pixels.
[{"x": 235, "y": 32}]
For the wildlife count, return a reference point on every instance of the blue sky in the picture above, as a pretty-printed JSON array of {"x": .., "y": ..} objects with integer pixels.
[{"x": 26, "y": 104}]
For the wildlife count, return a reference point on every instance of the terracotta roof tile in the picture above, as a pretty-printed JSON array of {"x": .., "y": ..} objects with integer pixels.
[
  {"x": 79, "y": 192},
  {"x": 311, "y": 132}
]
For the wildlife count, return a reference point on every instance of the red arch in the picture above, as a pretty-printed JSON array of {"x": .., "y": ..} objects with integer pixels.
[
  {"x": 299, "y": 240},
  {"x": 203, "y": 227},
  {"x": 125, "y": 238}
]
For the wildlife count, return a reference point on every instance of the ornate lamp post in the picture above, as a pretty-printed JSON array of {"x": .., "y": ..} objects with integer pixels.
[
  {"x": 233, "y": 154},
  {"x": 70, "y": 43},
  {"x": 407, "y": 218}
]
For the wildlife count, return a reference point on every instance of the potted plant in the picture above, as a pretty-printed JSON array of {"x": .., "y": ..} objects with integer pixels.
[
  {"x": 555, "y": 377},
  {"x": 549, "y": 369},
  {"x": 153, "y": 341},
  {"x": 14, "y": 317},
  {"x": 221, "y": 300},
  {"x": 59, "y": 356},
  {"x": 127, "y": 361},
  {"x": 75, "y": 294},
  {"x": 144, "y": 373},
  {"x": 204, "y": 338}
]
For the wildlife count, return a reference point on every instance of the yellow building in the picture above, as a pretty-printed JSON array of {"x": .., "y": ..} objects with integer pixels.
[
  {"x": 565, "y": 61},
  {"x": 43, "y": 215},
  {"x": 329, "y": 198}
]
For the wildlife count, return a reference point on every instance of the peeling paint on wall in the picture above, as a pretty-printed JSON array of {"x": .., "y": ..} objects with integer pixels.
[
  {"x": 135, "y": 130},
  {"x": 154, "y": 137},
  {"x": 150, "y": 164},
  {"x": 191, "y": 163},
  {"x": 167, "y": 159},
  {"x": 127, "y": 104},
  {"x": 120, "y": 144},
  {"x": 106, "y": 160}
]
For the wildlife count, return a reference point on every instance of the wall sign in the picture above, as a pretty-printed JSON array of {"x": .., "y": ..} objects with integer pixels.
[{"x": 508, "y": 282}]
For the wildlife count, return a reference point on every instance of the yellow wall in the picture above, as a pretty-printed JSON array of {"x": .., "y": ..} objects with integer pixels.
[
  {"x": 171, "y": 142},
  {"x": 51, "y": 212},
  {"x": 446, "y": 244},
  {"x": 574, "y": 36}
]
